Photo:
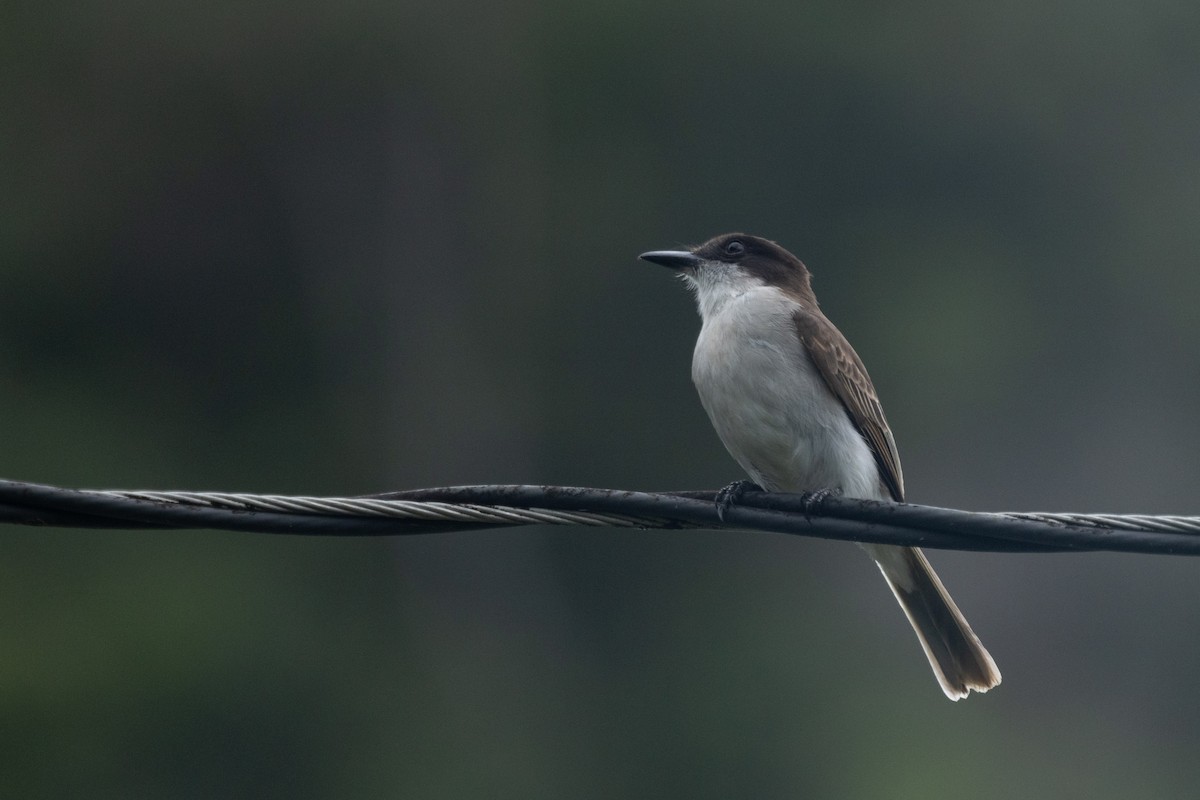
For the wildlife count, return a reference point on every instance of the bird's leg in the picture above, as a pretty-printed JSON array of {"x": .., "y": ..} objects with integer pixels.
[{"x": 732, "y": 494}]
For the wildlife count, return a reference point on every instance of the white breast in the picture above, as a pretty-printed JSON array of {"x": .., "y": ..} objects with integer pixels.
[{"x": 770, "y": 406}]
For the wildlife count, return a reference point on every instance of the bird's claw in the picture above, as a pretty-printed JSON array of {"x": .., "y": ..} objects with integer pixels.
[
  {"x": 810, "y": 500},
  {"x": 732, "y": 494}
]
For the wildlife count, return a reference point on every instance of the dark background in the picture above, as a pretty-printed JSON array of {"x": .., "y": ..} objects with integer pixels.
[{"x": 349, "y": 248}]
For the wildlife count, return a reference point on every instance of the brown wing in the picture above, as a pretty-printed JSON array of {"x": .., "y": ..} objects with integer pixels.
[{"x": 847, "y": 378}]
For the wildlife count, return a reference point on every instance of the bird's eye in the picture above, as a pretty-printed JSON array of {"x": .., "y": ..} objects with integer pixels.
[{"x": 735, "y": 248}]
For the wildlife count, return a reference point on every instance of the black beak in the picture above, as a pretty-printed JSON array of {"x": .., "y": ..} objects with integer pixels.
[{"x": 675, "y": 259}]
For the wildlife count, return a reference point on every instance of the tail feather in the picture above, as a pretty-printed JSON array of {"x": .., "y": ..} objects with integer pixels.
[{"x": 959, "y": 660}]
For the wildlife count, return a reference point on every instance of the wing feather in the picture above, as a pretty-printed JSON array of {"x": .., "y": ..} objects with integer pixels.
[{"x": 847, "y": 378}]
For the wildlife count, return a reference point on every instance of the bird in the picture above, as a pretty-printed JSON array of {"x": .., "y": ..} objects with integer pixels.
[{"x": 792, "y": 402}]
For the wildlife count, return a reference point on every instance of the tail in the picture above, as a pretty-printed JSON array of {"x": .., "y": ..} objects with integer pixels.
[{"x": 959, "y": 660}]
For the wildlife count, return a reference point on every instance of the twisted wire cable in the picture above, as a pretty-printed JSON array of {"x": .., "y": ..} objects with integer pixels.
[{"x": 460, "y": 508}]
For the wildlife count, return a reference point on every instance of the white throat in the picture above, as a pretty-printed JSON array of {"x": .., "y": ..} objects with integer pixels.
[{"x": 716, "y": 284}]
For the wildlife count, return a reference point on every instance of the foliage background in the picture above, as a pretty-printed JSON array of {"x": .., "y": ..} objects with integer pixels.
[{"x": 347, "y": 248}]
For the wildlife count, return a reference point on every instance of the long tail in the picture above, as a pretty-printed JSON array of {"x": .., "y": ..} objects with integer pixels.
[{"x": 959, "y": 660}]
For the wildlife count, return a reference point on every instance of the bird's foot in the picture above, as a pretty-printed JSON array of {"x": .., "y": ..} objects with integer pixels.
[
  {"x": 732, "y": 494},
  {"x": 811, "y": 500}
]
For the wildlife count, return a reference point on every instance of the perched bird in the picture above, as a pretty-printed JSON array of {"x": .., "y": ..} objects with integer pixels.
[{"x": 794, "y": 406}]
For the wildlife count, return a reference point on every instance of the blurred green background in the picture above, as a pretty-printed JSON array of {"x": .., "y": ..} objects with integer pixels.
[{"x": 350, "y": 248}]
